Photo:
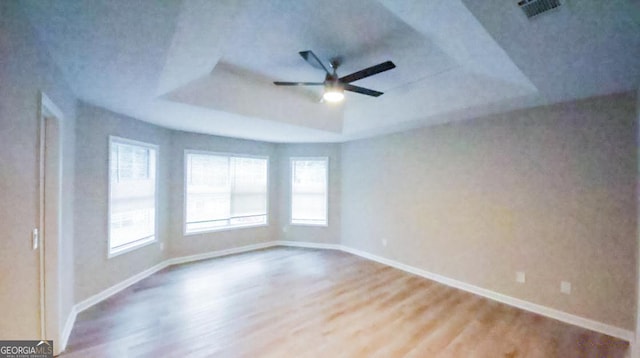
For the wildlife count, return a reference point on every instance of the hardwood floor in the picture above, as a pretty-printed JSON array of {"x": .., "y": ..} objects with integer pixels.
[{"x": 287, "y": 302}]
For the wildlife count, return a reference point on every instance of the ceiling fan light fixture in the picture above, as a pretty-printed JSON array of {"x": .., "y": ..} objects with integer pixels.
[{"x": 333, "y": 94}]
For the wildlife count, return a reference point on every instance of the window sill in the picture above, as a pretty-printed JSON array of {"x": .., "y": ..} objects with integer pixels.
[
  {"x": 133, "y": 246},
  {"x": 308, "y": 224},
  {"x": 223, "y": 228}
]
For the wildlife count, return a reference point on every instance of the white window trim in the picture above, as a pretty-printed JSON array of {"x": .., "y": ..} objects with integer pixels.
[
  {"x": 291, "y": 160},
  {"x": 184, "y": 193},
  {"x": 145, "y": 241}
]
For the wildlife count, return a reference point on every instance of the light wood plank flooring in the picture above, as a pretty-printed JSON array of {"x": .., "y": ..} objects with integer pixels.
[{"x": 287, "y": 302}]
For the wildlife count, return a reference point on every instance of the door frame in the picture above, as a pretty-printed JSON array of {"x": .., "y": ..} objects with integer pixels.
[{"x": 50, "y": 119}]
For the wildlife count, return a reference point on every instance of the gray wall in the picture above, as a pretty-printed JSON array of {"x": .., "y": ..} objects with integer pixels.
[
  {"x": 318, "y": 234},
  {"x": 184, "y": 245},
  {"x": 94, "y": 271},
  {"x": 25, "y": 70},
  {"x": 549, "y": 191}
]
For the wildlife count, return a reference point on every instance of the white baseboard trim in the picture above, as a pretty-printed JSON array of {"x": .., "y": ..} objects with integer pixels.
[
  {"x": 596, "y": 326},
  {"x": 66, "y": 331},
  {"x": 101, "y": 296},
  {"x": 218, "y": 253},
  {"x": 309, "y": 245},
  {"x": 515, "y": 302},
  {"x": 511, "y": 301}
]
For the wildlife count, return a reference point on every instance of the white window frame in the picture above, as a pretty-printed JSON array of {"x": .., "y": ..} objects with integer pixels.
[
  {"x": 293, "y": 159},
  {"x": 144, "y": 241},
  {"x": 184, "y": 192}
]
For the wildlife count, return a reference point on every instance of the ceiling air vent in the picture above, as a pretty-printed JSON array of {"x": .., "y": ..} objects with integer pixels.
[{"x": 533, "y": 8}]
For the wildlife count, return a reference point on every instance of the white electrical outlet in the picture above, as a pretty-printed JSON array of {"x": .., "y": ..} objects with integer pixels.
[
  {"x": 565, "y": 287},
  {"x": 384, "y": 242},
  {"x": 520, "y": 277},
  {"x": 161, "y": 246}
]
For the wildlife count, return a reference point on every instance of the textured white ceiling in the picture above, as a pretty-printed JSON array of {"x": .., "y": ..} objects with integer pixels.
[
  {"x": 208, "y": 66},
  {"x": 586, "y": 48}
]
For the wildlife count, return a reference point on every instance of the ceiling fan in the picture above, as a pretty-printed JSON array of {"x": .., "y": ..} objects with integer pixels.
[{"x": 335, "y": 86}]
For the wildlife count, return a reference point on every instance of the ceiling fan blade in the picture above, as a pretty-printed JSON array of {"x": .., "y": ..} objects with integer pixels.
[
  {"x": 313, "y": 60},
  {"x": 362, "y": 90},
  {"x": 279, "y": 83},
  {"x": 370, "y": 71}
]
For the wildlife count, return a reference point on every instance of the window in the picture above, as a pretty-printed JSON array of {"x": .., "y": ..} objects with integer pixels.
[
  {"x": 309, "y": 190},
  {"x": 132, "y": 194},
  {"x": 224, "y": 191}
]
